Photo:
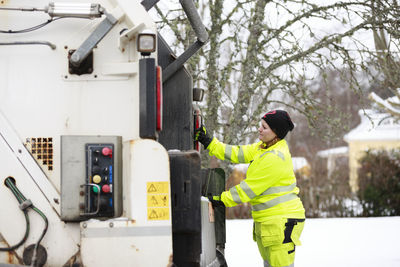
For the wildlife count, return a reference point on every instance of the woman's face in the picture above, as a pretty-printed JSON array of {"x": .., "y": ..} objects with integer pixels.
[{"x": 265, "y": 133}]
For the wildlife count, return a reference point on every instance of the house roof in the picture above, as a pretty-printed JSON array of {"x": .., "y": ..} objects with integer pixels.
[
  {"x": 374, "y": 126},
  {"x": 337, "y": 151}
]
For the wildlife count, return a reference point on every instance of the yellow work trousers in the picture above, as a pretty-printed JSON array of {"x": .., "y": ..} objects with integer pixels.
[{"x": 275, "y": 248}]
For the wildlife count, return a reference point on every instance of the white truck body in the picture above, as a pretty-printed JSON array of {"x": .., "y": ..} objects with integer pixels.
[{"x": 41, "y": 101}]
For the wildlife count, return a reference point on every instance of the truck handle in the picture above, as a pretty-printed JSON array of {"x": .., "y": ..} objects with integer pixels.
[
  {"x": 98, "y": 200},
  {"x": 198, "y": 27}
]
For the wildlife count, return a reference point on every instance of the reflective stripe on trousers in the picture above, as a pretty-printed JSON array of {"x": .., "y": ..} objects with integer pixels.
[{"x": 266, "y": 264}]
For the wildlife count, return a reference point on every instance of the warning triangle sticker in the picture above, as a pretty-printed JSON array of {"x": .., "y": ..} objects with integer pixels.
[
  {"x": 153, "y": 215},
  {"x": 152, "y": 188}
]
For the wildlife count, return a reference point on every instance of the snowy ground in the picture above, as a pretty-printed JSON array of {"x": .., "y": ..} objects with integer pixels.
[{"x": 339, "y": 242}]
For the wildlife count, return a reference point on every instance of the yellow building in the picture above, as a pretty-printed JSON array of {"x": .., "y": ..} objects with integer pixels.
[{"x": 379, "y": 131}]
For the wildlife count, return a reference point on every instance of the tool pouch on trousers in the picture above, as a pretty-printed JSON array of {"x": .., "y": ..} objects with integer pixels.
[{"x": 272, "y": 231}]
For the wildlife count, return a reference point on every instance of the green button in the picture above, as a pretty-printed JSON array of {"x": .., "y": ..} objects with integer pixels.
[{"x": 95, "y": 189}]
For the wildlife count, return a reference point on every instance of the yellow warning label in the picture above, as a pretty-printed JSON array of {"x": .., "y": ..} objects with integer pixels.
[
  {"x": 157, "y": 187},
  {"x": 154, "y": 214},
  {"x": 157, "y": 200}
]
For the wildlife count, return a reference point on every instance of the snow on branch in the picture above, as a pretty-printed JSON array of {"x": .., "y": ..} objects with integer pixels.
[{"x": 389, "y": 105}]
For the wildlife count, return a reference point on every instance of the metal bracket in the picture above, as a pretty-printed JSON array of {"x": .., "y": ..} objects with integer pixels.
[
  {"x": 127, "y": 35},
  {"x": 95, "y": 37}
]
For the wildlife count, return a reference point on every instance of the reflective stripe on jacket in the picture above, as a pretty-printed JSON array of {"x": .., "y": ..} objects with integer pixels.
[{"x": 270, "y": 184}]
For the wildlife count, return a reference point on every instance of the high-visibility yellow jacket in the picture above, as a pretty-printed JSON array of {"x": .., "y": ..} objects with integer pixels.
[{"x": 270, "y": 184}]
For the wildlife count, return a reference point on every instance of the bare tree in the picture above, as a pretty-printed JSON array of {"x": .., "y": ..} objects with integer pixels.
[
  {"x": 388, "y": 64},
  {"x": 264, "y": 54}
]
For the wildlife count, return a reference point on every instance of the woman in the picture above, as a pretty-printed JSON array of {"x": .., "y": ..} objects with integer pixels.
[{"x": 270, "y": 187}]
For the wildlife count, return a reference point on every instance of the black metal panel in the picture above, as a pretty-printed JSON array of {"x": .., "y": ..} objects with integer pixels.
[
  {"x": 177, "y": 130},
  {"x": 213, "y": 182},
  {"x": 148, "y": 98},
  {"x": 101, "y": 165},
  {"x": 148, "y": 4},
  {"x": 186, "y": 211}
]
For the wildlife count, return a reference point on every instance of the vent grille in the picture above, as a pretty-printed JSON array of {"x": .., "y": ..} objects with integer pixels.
[{"x": 41, "y": 149}]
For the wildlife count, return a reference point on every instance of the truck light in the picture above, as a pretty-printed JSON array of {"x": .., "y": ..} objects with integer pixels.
[
  {"x": 198, "y": 94},
  {"x": 159, "y": 98},
  {"x": 146, "y": 43},
  {"x": 77, "y": 10}
]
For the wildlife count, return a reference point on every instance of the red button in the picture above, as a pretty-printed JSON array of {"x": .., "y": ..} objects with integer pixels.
[
  {"x": 106, "y": 151},
  {"x": 105, "y": 188}
]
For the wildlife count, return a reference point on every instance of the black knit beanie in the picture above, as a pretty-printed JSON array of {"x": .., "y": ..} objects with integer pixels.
[{"x": 279, "y": 122}]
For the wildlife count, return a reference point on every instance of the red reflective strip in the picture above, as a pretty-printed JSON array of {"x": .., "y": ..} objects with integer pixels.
[
  {"x": 197, "y": 119},
  {"x": 159, "y": 98},
  {"x": 198, "y": 124}
]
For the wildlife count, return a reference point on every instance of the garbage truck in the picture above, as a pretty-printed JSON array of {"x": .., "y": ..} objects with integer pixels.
[{"x": 98, "y": 164}]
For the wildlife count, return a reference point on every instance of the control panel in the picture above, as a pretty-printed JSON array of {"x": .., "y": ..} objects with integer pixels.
[
  {"x": 91, "y": 177},
  {"x": 99, "y": 197}
]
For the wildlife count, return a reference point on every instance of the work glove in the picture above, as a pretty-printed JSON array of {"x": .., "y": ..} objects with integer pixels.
[
  {"x": 215, "y": 201},
  {"x": 201, "y": 135}
]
